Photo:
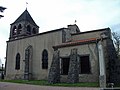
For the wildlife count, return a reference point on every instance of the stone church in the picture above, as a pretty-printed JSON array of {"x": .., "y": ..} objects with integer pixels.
[{"x": 60, "y": 55}]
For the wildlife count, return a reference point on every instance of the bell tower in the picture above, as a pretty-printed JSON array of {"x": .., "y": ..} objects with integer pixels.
[{"x": 23, "y": 26}]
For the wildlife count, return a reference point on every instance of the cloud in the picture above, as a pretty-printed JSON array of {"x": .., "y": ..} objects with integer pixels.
[{"x": 53, "y": 14}]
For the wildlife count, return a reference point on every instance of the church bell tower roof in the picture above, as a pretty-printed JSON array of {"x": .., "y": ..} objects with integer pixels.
[
  {"x": 25, "y": 16},
  {"x": 23, "y": 26}
]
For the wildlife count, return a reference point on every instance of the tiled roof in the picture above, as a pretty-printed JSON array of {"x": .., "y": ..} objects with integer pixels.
[
  {"x": 74, "y": 43},
  {"x": 25, "y": 16}
]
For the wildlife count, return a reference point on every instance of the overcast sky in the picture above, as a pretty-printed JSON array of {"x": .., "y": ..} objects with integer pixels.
[{"x": 54, "y": 14}]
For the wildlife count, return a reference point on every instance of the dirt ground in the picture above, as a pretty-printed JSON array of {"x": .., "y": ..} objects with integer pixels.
[{"x": 15, "y": 86}]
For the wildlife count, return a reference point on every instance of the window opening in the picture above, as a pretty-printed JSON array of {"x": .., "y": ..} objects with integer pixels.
[
  {"x": 19, "y": 29},
  {"x": 45, "y": 59},
  {"x": 34, "y": 31},
  {"x": 14, "y": 31},
  {"x": 29, "y": 30},
  {"x": 84, "y": 65},
  {"x": 17, "y": 66},
  {"x": 65, "y": 66}
]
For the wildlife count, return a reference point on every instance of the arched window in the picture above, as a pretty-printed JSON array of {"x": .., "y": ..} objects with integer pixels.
[
  {"x": 29, "y": 30},
  {"x": 17, "y": 64},
  {"x": 44, "y": 59},
  {"x": 14, "y": 31},
  {"x": 34, "y": 31},
  {"x": 19, "y": 29}
]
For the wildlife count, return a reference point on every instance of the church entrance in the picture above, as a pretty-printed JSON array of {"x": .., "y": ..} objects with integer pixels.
[
  {"x": 65, "y": 65},
  {"x": 28, "y": 63}
]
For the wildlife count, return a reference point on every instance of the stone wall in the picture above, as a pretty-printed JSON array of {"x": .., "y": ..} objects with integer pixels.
[
  {"x": 113, "y": 63},
  {"x": 73, "y": 73},
  {"x": 39, "y": 43},
  {"x": 90, "y": 50},
  {"x": 54, "y": 72},
  {"x": 90, "y": 34}
]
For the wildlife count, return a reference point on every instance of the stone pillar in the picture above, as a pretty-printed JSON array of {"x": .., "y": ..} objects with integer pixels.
[
  {"x": 54, "y": 72},
  {"x": 73, "y": 73},
  {"x": 102, "y": 77}
]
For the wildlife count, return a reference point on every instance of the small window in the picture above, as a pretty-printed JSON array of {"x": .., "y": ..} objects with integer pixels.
[
  {"x": 45, "y": 59},
  {"x": 19, "y": 29},
  {"x": 17, "y": 64},
  {"x": 84, "y": 65},
  {"x": 14, "y": 31},
  {"x": 65, "y": 65},
  {"x": 34, "y": 31},
  {"x": 29, "y": 30}
]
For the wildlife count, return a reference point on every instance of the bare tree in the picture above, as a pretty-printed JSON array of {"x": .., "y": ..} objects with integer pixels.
[
  {"x": 116, "y": 39},
  {"x": 2, "y": 10}
]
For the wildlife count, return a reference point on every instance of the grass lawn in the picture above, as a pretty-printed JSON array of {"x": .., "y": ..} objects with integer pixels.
[{"x": 45, "y": 83}]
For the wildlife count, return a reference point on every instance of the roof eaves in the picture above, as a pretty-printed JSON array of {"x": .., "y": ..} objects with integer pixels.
[
  {"x": 47, "y": 32},
  {"x": 75, "y": 43}
]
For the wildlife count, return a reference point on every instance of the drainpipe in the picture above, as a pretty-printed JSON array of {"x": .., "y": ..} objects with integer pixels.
[{"x": 102, "y": 76}]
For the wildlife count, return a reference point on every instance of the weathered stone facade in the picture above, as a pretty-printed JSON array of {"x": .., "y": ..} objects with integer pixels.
[
  {"x": 73, "y": 73},
  {"x": 70, "y": 55},
  {"x": 54, "y": 72},
  {"x": 113, "y": 64}
]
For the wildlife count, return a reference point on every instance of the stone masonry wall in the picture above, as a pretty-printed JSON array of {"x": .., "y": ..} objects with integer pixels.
[
  {"x": 73, "y": 73},
  {"x": 54, "y": 73}
]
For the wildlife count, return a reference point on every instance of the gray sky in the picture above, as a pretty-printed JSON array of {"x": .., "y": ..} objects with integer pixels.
[{"x": 54, "y": 14}]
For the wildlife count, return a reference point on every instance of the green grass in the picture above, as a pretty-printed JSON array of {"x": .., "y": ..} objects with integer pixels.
[
  {"x": 77, "y": 84},
  {"x": 45, "y": 83}
]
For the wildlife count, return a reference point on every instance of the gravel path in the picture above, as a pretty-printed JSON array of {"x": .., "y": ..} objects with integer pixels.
[{"x": 15, "y": 86}]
